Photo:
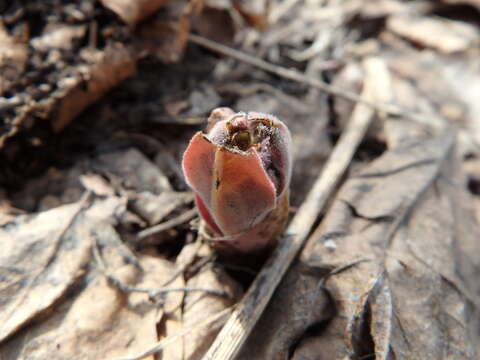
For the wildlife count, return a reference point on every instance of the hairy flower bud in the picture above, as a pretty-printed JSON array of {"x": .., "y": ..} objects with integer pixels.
[{"x": 240, "y": 171}]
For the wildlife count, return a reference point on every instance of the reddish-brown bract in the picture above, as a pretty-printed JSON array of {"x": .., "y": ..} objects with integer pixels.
[{"x": 240, "y": 171}]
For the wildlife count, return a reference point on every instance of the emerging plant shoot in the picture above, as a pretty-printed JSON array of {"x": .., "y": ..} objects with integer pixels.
[{"x": 240, "y": 171}]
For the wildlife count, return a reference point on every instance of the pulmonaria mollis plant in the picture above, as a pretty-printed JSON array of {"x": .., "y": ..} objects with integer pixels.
[{"x": 240, "y": 172}]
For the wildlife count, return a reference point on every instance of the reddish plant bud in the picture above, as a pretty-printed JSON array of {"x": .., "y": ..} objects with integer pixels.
[{"x": 240, "y": 171}]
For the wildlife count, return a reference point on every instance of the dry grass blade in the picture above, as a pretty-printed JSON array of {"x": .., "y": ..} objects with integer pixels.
[{"x": 229, "y": 341}]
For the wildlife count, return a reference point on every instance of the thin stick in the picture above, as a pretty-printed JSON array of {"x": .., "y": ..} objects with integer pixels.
[
  {"x": 389, "y": 109},
  {"x": 152, "y": 293},
  {"x": 230, "y": 339},
  {"x": 183, "y": 218},
  {"x": 217, "y": 320},
  {"x": 291, "y": 74}
]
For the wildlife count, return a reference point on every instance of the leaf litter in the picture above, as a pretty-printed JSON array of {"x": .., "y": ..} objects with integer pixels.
[{"x": 106, "y": 100}]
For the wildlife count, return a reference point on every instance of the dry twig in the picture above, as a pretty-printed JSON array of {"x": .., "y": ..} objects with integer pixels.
[
  {"x": 152, "y": 293},
  {"x": 182, "y": 218},
  {"x": 230, "y": 339},
  {"x": 291, "y": 74}
]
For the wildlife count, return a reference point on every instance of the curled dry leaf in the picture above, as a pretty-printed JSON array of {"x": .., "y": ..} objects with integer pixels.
[{"x": 240, "y": 171}]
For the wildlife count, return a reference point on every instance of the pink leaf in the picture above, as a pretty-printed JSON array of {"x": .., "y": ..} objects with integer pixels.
[
  {"x": 198, "y": 162},
  {"x": 243, "y": 194}
]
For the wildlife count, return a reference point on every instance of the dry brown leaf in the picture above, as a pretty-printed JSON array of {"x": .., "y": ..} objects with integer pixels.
[
  {"x": 101, "y": 322},
  {"x": 447, "y": 36},
  {"x": 297, "y": 303},
  {"x": 444, "y": 89},
  {"x": 43, "y": 256},
  {"x": 383, "y": 86},
  {"x": 215, "y": 23},
  {"x": 421, "y": 83},
  {"x": 401, "y": 214},
  {"x": 98, "y": 321},
  {"x": 108, "y": 68},
  {"x": 132, "y": 12},
  {"x": 154, "y": 208},
  {"x": 73, "y": 65},
  {"x": 127, "y": 170},
  {"x": 404, "y": 226},
  {"x": 96, "y": 325},
  {"x": 255, "y": 12},
  {"x": 463, "y": 77},
  {"x": 166, "y": 39},
  {"x": 134, "y": 169},
  {"x": 166, "y": 34},
  {"x": 96, "y": 184}
]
